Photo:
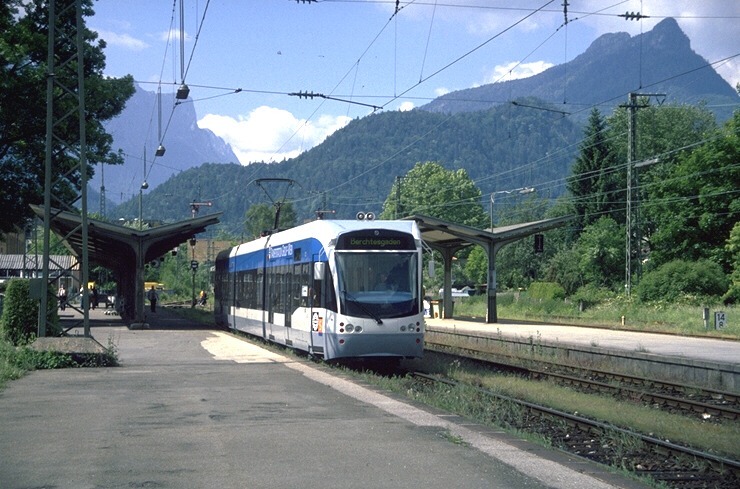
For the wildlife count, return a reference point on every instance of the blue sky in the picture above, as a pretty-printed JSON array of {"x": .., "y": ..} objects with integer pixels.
[{"x": 365, "y": 52}]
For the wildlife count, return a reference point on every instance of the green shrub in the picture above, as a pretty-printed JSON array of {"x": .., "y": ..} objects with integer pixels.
[
  {"x": 732, "y": 296},
  {"x": 590, "y": 295},
  {"x": 30, "y": 359},
  {"x": 19, "y": 323},
  {"x": 680, "y": 280},
  {"x": 546, "y": 291}
]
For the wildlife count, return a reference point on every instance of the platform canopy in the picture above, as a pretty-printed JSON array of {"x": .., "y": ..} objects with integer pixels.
[
  {"x": 124, "y": 250},
  {"x": 448, "y": 238}
]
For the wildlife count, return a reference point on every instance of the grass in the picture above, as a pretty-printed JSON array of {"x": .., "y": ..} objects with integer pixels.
[
  {"x": 617, "y": 314},
  {"x": 466, "y": 400},
  {"x": 645, "y": 419},
  {"x": 202, "y": 315},
  {"x": 15, "y": 361}
]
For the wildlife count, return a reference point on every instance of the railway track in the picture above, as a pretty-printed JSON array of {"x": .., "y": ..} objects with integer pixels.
[
  {"x": 708, "y": 404},
  {"x": 673, "y": 465}
]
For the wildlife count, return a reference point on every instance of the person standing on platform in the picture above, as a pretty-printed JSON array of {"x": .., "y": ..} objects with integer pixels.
[
  {"x": 62, "y": 296},
  {"x": 152, "y": 296}
]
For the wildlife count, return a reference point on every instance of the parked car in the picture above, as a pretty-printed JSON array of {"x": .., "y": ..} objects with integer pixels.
[{"x": 107, "y": 298}]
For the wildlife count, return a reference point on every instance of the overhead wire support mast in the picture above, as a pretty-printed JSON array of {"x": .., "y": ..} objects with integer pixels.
[
  {"x": 631, "y": 211},
  {"x": 195, "y": 207},
  {"x": 312, "y": 95}
]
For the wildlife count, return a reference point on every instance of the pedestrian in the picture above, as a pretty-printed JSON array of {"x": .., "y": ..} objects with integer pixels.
[
  {"x": 203, "y": 298},
  {"x": 94, "y": 300},
  {"x": 62, "y": 296},
  {"x": 152, "y": 296}
]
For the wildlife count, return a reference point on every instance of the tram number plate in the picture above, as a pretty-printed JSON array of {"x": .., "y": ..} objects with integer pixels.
[{"x": 316, "y": 325}]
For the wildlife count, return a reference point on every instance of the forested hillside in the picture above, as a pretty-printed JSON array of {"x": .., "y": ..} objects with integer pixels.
[{"x": 354, "y": 169}]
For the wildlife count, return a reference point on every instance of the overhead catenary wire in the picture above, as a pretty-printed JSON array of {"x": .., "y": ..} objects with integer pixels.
[{"x": 338, "y": 97}]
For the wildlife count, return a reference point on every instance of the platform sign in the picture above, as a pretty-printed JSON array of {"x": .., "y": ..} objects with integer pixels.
[{"x": 720, "y": 320}]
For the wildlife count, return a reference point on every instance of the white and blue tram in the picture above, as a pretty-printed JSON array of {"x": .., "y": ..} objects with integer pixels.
[{"x": 335, "y": 289}]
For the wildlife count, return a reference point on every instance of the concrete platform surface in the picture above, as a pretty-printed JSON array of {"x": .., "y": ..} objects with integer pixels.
[
  {"x": 192, "y": 407},
  {"x": 704, "y": 349}
]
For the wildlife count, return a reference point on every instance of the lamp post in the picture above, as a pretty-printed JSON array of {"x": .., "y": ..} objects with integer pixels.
[
  {"x": 143, "y": 187},
  {"x": 193, "y": 267},
  {"x": 520, "y": 190}
]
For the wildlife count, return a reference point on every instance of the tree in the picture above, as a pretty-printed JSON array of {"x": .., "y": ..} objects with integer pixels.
[
  {"x": 593, "y": 185},
  {"x": 692, "y": 204},
  {"x": 601, "y": 253},
  {"x": 733, "y": 249},
  {"x": 23, "y": 75},
  {"x": 261, "y": 217},
  {"x": 430, "y": 189},
  {"x": 664, "y": 134},
  {"x": 596, "y": 258}
]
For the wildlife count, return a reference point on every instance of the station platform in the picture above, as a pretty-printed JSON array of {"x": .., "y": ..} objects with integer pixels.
[
  {"x": 194, "y": 407},
  {"x": 698, "y": 360}
]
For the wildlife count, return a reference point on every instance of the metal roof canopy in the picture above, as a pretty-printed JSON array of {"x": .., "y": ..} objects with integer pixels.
[
  {"x": 125, "y": 250},
  {"x": 448, "y": 238}
]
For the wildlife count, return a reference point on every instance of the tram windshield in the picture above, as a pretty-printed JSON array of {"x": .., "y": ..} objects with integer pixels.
[{"x": 378, "y": 285}]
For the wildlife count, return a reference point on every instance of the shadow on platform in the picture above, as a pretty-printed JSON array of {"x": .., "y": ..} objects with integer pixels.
[{"x": 100, "y": 318}]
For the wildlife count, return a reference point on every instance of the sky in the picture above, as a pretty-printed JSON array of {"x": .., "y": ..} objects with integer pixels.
[{"x": 242, "y": 59}]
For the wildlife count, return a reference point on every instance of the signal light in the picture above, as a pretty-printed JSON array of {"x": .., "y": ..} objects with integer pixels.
[{"x": 539, "y": 243}]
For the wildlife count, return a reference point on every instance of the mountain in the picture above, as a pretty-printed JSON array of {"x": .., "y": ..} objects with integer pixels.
[
  {"x": 354, "y": 168},
  {"x": 500, "y": 145},
  {"x": 658, "y": 61},
  {"x": 187, "y": 146}
]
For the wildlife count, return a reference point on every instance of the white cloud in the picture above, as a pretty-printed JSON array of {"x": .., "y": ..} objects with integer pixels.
[
  {"x": 271, "y": 134},
  {"x": 173, "y": 35},
  {"x": 406, "y": 106},
  {"x": 515, "y": 71},
  {"x": 122, "y": 40},
  {"x": 441, "y": 91}
]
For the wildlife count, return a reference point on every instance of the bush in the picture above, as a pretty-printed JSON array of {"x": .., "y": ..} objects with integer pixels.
[
  {"x": 682, "y": 280},
  {"x": 19, "y": 323},
  {"x": 546, "y": 291},
  {"x": 732, "y": 296},
  {"x": 590, "y": 295}
]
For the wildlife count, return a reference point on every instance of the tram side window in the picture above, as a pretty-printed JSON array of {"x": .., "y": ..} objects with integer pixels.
[
  {"x": 259, "y": 290},
  {"x": 239, "y": 289},
  {"x": 275, "y": 286},
  {"x": 329, "y": 297},
  {"x": 250, "y": 298}
]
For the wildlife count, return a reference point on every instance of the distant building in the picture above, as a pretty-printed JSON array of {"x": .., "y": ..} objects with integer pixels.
[{"x": 31, "y": 266}]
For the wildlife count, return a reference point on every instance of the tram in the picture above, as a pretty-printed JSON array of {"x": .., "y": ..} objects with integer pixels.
[{"x": 337, "y": 289}]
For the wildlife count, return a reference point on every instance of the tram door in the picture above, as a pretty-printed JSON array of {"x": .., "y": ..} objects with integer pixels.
[{"x": 316, "y": 292}]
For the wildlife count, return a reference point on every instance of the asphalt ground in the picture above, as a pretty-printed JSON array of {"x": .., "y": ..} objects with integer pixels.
[{"x": 195, "y": 408}]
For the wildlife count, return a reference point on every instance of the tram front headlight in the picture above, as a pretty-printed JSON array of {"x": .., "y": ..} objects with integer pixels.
[
  {"x": 403, "y": 328},
  {"x": 349, "y": 328},
  {"x": 358, "y": 329}
]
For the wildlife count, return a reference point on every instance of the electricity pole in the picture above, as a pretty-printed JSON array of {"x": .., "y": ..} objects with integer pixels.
[{"x": 631, "y": 212}]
